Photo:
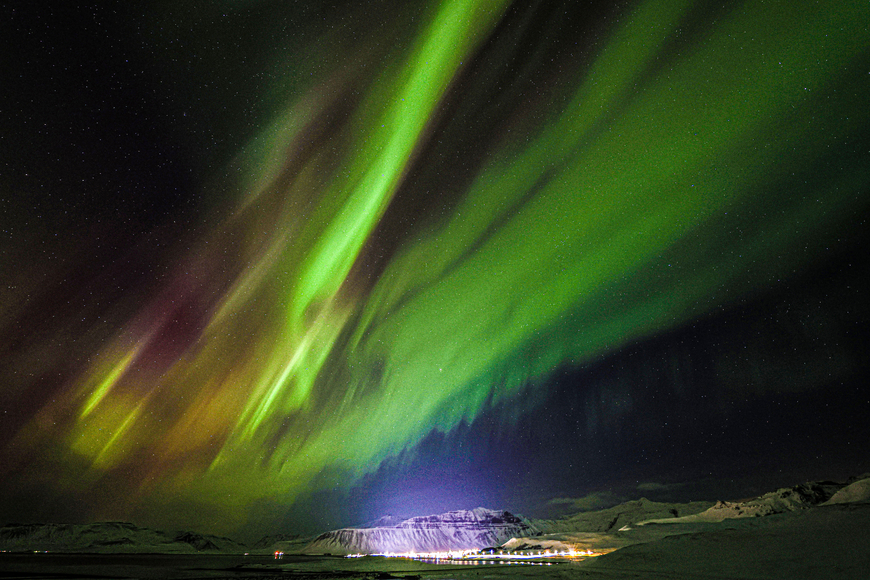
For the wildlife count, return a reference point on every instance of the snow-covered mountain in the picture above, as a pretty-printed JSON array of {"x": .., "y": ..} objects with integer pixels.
[
  {"x": 614, "y": 529},
  {"x": 267, "y": 542},
  {"x": 108, "y": 538},
  {"x": 456, "y": 530},
  {"x": 787, "y": 499},
  {"x": 387, "y": 521},
  {"x": 612, "y": 519}
]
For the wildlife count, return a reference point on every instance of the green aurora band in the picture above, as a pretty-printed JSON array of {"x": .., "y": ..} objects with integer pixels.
[{"x": 689, "y": 164}]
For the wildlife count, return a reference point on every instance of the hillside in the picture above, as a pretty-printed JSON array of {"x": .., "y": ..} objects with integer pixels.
[
  {"x": 455, "y": 530},
  {"x": 616, "y": 517},
  {"x": 109, "y": 538}
]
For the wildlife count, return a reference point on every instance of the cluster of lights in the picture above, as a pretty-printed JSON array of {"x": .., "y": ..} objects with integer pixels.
[
  {"x": 491, "y": 562},
  {"x": 476, "y": 556}
]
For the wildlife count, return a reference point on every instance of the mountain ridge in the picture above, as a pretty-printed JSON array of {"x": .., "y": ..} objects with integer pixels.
[
  {"x": 109, "y": 538},
  {"x": 450, "y": 531},
  {"x": 785, "y": 499}
]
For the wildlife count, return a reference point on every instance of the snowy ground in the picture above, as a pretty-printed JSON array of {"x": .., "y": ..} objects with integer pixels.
[
  {"x": 819, "y": 534},
  {"x": 828, "y": 541}
]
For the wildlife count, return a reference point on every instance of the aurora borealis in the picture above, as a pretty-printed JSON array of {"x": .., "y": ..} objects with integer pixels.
[{"x": 261, "y": 257}]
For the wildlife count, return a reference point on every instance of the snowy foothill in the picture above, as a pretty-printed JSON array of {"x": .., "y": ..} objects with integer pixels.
[
  {"x": 788, "y": 499},
  {"x": 109, "y": 538},
  {"x": 857, "y": 491}
]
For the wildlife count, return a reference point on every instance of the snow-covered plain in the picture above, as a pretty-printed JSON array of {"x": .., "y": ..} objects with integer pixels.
[
  {"x": 814, "y": 530},
  {"x": 819, "y": 543}
]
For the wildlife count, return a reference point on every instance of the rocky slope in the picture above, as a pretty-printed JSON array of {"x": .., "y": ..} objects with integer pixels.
[
  {"x": 387, "y": 521},
  {"x": 456, "y": 530},
  {"x": 787, "y": 499},
  {"x": 108, "y": 538}
]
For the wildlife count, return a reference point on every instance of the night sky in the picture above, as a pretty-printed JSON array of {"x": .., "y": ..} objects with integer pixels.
[{"x": 273, "y": 266}]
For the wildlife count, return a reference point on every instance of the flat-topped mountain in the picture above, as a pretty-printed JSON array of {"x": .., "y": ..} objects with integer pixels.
[{"x": 451, "y": 531}]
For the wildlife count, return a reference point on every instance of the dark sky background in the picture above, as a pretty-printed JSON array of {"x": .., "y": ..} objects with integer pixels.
[{"x": 287, "y": 266}]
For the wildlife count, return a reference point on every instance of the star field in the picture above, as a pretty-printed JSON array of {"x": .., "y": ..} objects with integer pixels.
[{"x": 278, "y": 266}]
